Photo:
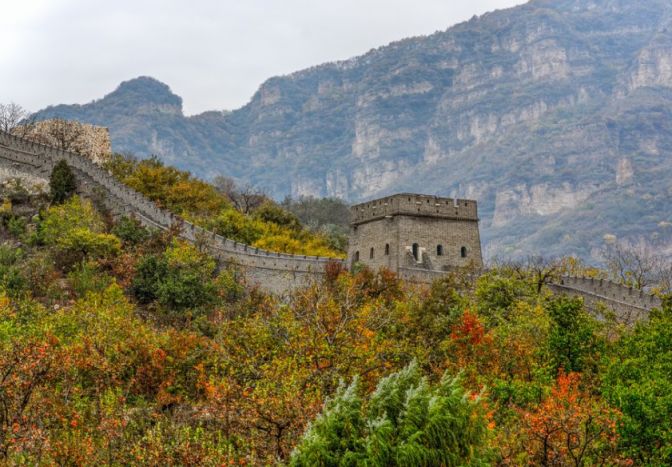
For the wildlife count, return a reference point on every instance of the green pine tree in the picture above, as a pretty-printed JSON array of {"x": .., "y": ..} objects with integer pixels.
[
  {"x": 406, "y": 421},
  {"x": 62, "y": 183}
]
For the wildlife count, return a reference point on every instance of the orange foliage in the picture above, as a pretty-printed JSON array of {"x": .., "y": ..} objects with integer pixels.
[{"x": 571, "y": 427}]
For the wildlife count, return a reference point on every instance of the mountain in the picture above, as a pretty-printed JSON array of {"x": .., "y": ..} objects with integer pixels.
[{"x": 555, "y": 115}]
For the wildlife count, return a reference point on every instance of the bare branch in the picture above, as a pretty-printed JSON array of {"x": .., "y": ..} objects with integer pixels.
[{"x": 11, "y": 115}]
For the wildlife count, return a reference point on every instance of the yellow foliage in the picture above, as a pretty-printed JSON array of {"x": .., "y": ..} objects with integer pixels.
[
  {"x": 6, "y": 207},
  {"x": 201, "y": 204}
]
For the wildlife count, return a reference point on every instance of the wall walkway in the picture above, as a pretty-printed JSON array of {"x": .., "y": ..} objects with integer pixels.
[
  {"x": 275, "y": 272},
  {"x": 629, "y": 305}
]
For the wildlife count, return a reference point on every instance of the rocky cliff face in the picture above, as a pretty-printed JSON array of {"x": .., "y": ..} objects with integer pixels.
[{"x": 555, "y": 115}]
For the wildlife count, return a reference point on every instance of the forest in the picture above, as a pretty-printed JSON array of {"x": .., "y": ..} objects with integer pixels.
[{"x": 121, "y": 345}]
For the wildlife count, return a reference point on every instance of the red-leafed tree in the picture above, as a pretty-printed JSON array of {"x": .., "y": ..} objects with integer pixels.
[{"x": 571, "y": 427}]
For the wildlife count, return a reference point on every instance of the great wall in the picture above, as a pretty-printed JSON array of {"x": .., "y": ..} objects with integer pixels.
[
  {"x": 275, "y": 272},
  {"x": 629, "y": 305}
]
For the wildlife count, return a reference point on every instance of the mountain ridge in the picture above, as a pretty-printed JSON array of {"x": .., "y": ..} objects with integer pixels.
[{"x": 536, "y": 111}]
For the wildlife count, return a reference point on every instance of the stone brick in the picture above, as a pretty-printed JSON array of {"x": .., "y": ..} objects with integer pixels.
[{"x": 444, "y": 231}]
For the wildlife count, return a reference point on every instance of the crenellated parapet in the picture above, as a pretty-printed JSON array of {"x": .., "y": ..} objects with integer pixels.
[
  {"x": 280, "y": 272},
  {"x": 629, "y": 304},
  {"x": 277, "y": 272},
  {"x": 416, "y": 205}
]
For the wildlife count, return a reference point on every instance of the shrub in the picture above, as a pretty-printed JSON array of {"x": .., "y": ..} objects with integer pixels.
[
  {"x": 62, "y": 183},
  {"x": 271, "y": 212},
  {"x": 16, "y": 226},
  {"x": 75, "y": 231},
  {"x": 406, "y": 421},
  {"x": 149, "y": 272},
  {"x": 130, "y": 231},
  {"x": 181, "y": 278},
  {"x": 73, "y": 214},
  {"x": 11, "y": 278},
  {"x": 87, "y": 278}
]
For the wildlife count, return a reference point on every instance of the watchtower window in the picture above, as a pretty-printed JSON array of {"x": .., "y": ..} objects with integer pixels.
[
  {"x": 463, "y": 252},
  {"x": 416, "y": 251},
  {"x": 371, "y": 253},
  {"x": 439, "y": 250},
  {"x": 387, "y": 249},
  {"x": 356, "y": 255}
]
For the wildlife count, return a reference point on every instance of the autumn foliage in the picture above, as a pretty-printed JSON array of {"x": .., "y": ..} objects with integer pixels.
[
  {"x": 571, "y": 427},
  {"x": 125, "y": 346}
]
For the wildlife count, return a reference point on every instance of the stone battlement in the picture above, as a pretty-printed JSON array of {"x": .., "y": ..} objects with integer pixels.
[
  {"x": 277, "y": 272},
  {"x": 408, "y": 204},
  {"x": 629, "y": 304}
]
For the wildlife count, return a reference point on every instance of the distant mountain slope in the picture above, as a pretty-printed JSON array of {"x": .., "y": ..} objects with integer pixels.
[{"x": 555, "y": 115}]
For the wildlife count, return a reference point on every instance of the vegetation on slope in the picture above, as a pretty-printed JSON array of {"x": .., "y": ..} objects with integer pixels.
[
  {"x": 122, "y": 346},
  {"x": 266, "y": 226}
]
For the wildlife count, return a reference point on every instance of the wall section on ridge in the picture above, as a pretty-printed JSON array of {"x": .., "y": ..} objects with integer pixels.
[
  {"x": 628, "y": 304},
  {"x": 274, "y": 272}
]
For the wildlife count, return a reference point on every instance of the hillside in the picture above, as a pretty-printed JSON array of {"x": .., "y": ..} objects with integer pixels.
[
  {"x": 121, "y": 345},
  {"x": 556, "y": 116}
]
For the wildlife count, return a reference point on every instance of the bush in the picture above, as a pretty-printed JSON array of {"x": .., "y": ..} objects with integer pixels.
[
  {"x": 16, "y": 226},
  {"x": 75, "y": 231},
  {"x": 181, "y": 278},
  {"x": 130, "y": 231},
  {"x": 59, "y": 220},
  {"x": 406, "y": 421},
  {"x": 11, "y": 279},
  {"x": 149, "y": 272},
  {"x": 87, "y": 278},
  {"x": 62, "y": 183},
  {"x": 271, "y": 212}
]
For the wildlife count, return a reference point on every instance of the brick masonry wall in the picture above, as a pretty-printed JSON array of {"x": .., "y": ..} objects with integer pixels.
[
  {"x": 275, "y": 272},
  {"x": 628, "y": 304},
  {"x": 415, "y": 205},
  {"x": 406, "y": 219},
  {"x": 278, "y": 272},
  {"x": 451, "y": 235},
  {"x": 375, "y": 235}
]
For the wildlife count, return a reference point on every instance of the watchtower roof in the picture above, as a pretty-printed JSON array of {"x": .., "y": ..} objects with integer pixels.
[{"x": 413, "y": 204}]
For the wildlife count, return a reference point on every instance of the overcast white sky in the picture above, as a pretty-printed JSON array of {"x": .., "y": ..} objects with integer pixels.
[{"x": 213, "y": 53}]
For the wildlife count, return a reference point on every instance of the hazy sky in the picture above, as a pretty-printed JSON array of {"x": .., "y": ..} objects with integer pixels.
[{"x": 213, "y": 53}]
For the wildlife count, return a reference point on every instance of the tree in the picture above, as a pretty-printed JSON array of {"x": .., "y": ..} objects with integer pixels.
[
  {"x": 543, "y": 270},
  {"x": 181, "y": 278},
  {"x": 571, "y": 427},
  {"x": 130, "y": 231},
  {"x": 633, "y": 266},
  {"x": 573, "y": 341},
  {"x": 11, "y": 115},
  {"x": 271, "y": 212},
  {"x": 406, "y": 421},
  {"x": 245, "y": 199},
  {"x": 62, "y": 183},
  {"x": 75, "y": 231},
  {"x": 638, "y": 381},
  {"x": 497, "y": 292}
]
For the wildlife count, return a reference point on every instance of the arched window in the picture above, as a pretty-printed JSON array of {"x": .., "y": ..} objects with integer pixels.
[
  {"x": 439, "y": 250},
  {"x": 387, "y": 249},
  {"x": 463, "y": 252},
  {"x": 416, "y": 251},
  {"x": 356, "y": 255},
  {"x": 371, "y": 253}
]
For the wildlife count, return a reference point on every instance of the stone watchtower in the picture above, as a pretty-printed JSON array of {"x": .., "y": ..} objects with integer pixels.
[{"x": 411, "y": 231}]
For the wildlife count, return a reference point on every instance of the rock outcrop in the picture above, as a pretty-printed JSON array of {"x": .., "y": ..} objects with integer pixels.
[{"x": 555, "y": 115}]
